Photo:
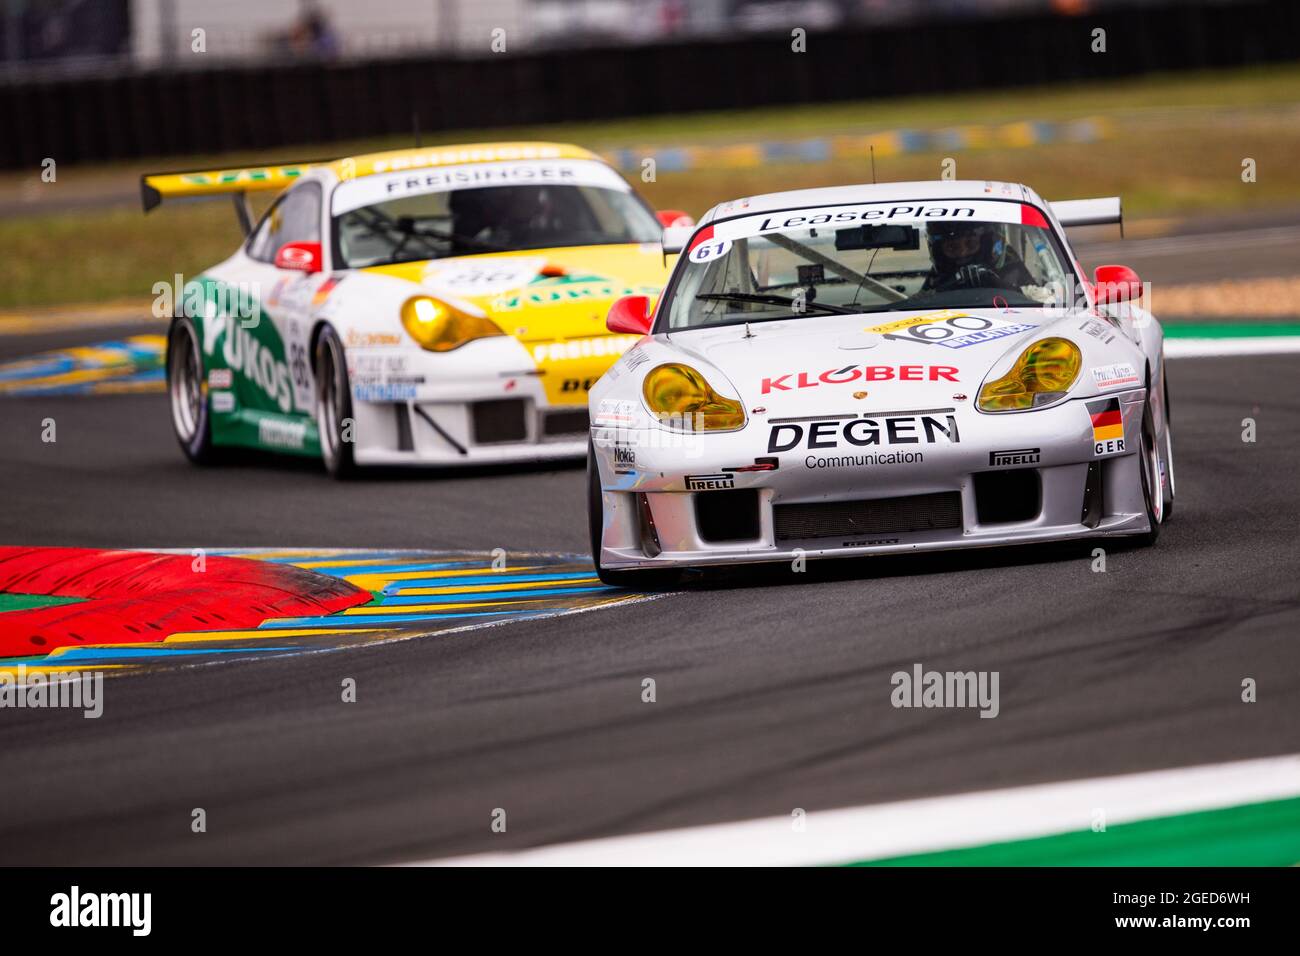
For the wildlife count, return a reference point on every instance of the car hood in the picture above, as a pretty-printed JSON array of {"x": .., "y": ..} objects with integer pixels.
[
  {"x": 891, "y": 360},
  {"x": 542, "y": 295}
]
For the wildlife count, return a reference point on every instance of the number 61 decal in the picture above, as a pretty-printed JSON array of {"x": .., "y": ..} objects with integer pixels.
[{"x": 710, "y": 250}]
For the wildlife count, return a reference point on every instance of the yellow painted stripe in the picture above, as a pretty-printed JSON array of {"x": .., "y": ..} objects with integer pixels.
[
  {"x": 488, "y": 588},
  {"x": 367, "y": 609},
  {"x": 305, "y": 553},
  {"x": 75, "y": 377},
  {"x": 12, "y": 670},
  {"x": 344, "y": 562},
  {"x": 198, "y": 637}
]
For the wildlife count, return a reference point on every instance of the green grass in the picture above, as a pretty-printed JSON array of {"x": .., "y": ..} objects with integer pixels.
[{"x": 1176, "y": 148}]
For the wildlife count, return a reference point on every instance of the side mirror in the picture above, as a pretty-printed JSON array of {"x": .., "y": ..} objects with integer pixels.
[
  {"x": 299, "y": 256},
  {"x": 1116, "y": 284},
  {"x": 676, "y": 237},
  {"x": 630, "y": 315},
  {"x": 674, "y": 217},
  {"x": 678, "y": 227}
]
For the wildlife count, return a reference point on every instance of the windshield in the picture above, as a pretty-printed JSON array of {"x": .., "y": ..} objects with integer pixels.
[
  {"x": 510, "y": 206},
  {"x": 783, "y": 266}
]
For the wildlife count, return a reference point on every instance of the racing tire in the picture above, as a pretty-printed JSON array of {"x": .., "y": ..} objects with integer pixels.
[
  {"x": 631, "y": 580},
  {"x": 186, "y": 395},
  {"x": 1169, "y": 455},
  {"x": 334, "y": 421},
  {"x": 1149, "y": 470}
]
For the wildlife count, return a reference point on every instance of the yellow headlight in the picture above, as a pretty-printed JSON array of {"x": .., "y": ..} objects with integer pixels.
[
  {"x": 1041, "y": 375},
  {"x": 682, "y": 398},
  {"x": 440, "y": 328}
]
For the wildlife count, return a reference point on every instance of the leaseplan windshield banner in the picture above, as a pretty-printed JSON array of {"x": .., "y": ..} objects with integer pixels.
[{"x": 874, "y": 214}]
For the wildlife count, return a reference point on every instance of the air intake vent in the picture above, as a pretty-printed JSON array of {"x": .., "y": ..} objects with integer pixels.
[
  {"x": 500, "y": 421},
  {"x": 727, "y": 515},
  {"x": 851, "y": 519},
  {"x": 1003, "y": 496},
  {"x": 567, "y": 422}
]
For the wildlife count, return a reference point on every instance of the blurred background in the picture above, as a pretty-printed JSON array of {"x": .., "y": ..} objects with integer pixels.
[{"x": 1164, "y": 103}]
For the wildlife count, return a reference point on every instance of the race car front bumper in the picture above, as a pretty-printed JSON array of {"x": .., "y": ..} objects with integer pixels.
[
  {"x": 724, "y": 498},
  {"x": 484, "y": 405}
]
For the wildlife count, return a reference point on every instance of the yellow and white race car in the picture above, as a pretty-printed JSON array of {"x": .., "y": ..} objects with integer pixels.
[{"x": 437, "y": 306}]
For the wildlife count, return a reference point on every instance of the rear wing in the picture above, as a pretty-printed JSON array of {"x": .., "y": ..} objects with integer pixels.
[
  {"x": 214, "y": 183},
  {"x": 1090, "y": 212}
]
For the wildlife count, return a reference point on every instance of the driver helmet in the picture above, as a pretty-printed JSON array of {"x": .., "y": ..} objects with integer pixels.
[
  {"x": 506, "y": 209},
  {"x": 957, "y": 244}
]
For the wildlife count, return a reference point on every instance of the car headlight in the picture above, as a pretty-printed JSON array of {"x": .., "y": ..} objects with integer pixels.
[
  {"x": 439, "y": 327},
  {"x": 1041, "y": 375},
  {"x": 680, "y": 397}
]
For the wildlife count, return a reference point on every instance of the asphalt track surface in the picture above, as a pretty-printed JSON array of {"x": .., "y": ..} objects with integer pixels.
[{"x": 772, "y": 688}]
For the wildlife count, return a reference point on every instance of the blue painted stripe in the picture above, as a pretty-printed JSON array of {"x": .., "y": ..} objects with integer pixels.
[
  {"x": 370, "y": 620},
  {"x": 499, "y": 578},
  {"x": 308, "y": 556},
  {"x": 126, "y": 653},
  {"x": 397, "y": 600}
]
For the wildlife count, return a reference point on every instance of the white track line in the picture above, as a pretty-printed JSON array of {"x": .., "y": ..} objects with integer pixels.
[
  {"x": 1245, "y": 345},
  {"x": 920, "y": 826}
]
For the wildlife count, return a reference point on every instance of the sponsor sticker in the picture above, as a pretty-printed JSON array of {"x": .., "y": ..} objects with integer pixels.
[
  {"x": 612, "y": 412},
  {"x": 381, "y": 187},
  {"x": 709, "y": 482},
  {"x": 357, "y": 339},
  {"x": 1015, "y": 456},
  {"x": 1098, "y": 330},
  {"x": 474, "y": 277},
  {"x": 858, "y": 461},
  {"x": 863, "y": 432},
  {"x": 223, "y": 401},
  {"x": 599, "y": 345},
  {"x": 973, "y": 211},
  {"x": 1107, "y": 427},
  {"x": 949, "y": 330},
  {"x": 221, "y": 378},
  {"x": 899, "y": 325},
  {"x": 1108, "y": 377},
  {"x": 278, "y": 433},
  {"x": 387, "y": 392},
  {"x": 865, "y": 373},
  {"x": 624, "y": 459}
]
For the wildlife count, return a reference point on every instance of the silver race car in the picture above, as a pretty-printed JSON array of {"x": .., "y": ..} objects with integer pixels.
[{"x": 880, "y": 369}]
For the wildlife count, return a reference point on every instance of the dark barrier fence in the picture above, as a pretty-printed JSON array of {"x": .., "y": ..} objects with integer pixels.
[{"x": 142, "y": 114}]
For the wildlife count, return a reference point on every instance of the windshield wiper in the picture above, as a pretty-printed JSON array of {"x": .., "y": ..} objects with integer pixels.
[{"x": 774, "y": 300}]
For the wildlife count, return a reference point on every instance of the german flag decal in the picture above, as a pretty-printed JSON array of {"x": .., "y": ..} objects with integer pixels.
[{"x": 1107, "y": 427}]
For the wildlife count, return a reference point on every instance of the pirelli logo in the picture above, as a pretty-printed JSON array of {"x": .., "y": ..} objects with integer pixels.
[
  {"x": 709, "y": 482},
  {"x": 1015, "y": 456}
]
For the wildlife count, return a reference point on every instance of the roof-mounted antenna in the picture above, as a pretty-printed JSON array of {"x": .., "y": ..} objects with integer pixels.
[{"x": 872, "y": 148}]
